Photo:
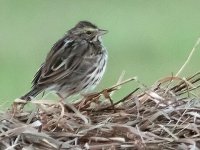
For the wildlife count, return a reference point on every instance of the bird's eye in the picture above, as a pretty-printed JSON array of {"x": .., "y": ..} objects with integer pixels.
[{"x": 88, "y": 32}]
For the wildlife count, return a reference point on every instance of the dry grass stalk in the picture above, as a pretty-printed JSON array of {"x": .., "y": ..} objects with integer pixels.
[{"x": 155, "y": 118}]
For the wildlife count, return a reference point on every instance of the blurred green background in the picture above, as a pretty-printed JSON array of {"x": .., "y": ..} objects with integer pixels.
[{"x": 150, "y": 39}]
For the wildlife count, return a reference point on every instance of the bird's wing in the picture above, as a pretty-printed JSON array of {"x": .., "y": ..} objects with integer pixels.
[{"x": 64, "y": 58}]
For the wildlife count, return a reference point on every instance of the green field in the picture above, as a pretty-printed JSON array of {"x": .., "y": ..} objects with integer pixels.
[{"x": 147, "y": 38}]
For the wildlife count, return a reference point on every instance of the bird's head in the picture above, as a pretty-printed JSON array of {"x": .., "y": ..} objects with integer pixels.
[{"x": 87, "y": 31}]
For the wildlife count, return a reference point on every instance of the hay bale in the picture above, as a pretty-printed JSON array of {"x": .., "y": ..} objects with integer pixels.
[{"x": 164, "y": 116}]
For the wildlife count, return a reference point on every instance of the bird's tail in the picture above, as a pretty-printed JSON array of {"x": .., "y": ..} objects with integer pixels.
[{"x": 32, "y": 93}]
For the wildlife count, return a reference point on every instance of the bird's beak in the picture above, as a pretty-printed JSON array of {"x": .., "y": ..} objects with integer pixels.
[{"x": 102, "y": 32}]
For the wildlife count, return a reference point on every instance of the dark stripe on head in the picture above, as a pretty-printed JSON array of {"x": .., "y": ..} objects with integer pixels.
[{"x": 83, "y": 24}]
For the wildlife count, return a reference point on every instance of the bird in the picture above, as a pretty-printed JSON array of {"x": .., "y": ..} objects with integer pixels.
[{"x": 75, "y": 64}]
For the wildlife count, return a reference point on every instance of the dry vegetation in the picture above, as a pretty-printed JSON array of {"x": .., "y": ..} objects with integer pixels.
[{"x": 163, "y": 116}]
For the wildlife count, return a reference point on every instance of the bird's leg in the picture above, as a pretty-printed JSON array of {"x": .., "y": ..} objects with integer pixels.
[
  {"x": 62, "y": 106},
  {"x": 61, "y": 98},
  {"x": 61, "y": 101},
  {"x": 43, "y": 94}
]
